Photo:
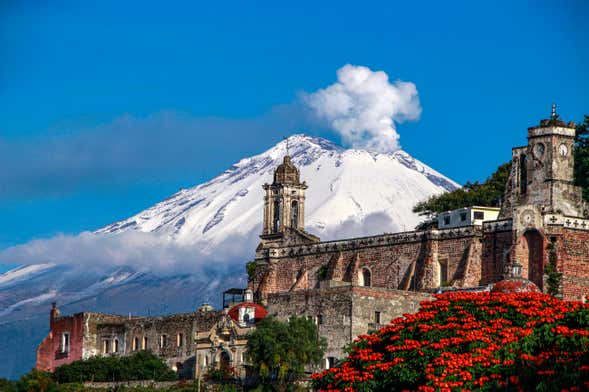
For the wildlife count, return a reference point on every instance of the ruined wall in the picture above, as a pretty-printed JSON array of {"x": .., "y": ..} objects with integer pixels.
[
  {"x": 342, "y": 313},
  {"x": 50, "y": 354},
  {"x": 394, "y": 261},
  {"x": 497, "y": 245},
  {"x": 573, "y": 262}
]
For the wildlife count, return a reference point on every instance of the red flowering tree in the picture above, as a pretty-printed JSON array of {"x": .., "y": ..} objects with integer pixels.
[{"x": 472, "y": 341}]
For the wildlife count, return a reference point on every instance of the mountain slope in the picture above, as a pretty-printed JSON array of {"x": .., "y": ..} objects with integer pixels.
[
  {"x": 351, "y": 193},
  {"x": 343, "y": 185}
]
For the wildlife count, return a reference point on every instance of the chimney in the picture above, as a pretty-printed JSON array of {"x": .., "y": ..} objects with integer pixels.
[{"x": 53, "y": 314}]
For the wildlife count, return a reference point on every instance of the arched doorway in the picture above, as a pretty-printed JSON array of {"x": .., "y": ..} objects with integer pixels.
[
  {"x": 533, "y": 254},
  {"x": 225, "y": 362}
]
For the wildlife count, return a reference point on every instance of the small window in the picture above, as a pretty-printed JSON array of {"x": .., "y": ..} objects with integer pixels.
[
  {"x": 446, "y": 219},
  {"x": 135, "y": 344},
  {"x": 115, "y": 346},
  {"x": 365, "y": 278},
  {"x": 479, "y": 215},
  {"x": 319, "y": 319},
  {"x": 65, "y": 342},
  {"x": 463, "y": 217},
  {"x": 144, "y": 343},
  {"x": 331, "y": 361},
  {"x": 163, "y": 341},
  {"x": 105, "y": 346},
  {"x": 179, "y": 340},
  {"x": 377, "y": 317}
]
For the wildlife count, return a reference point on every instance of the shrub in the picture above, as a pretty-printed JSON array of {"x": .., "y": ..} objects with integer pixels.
[
  {"x": 472, "y": 341},
  {"x": 142, "y": 365}
]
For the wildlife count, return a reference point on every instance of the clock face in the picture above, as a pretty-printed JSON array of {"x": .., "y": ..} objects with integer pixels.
[
  {"x": 539, "y": 149},
  {"x": 563, "y": 150},
  {"x": 527, "y": 217}
]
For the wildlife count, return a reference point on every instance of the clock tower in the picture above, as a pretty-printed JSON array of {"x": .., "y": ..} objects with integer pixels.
[{"x": 541, "y": 179}]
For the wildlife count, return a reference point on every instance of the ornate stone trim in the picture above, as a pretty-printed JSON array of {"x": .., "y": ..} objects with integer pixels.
[{"x": 498, "y": 225}]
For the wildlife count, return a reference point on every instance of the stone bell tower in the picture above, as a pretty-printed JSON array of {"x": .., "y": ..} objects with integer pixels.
[
  {"x": 541, "y": 179},
  {"x": 284, "y": 208}
]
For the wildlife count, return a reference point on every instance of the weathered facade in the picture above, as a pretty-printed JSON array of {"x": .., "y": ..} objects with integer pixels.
[
  {"x": 355, "y": 285},
  {"x": 190, "y": 343},
  {"x": 542, "y": 218}
]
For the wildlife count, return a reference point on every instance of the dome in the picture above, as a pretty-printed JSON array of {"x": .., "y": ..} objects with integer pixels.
[
  {"x": 515, "y": 285},
  {"x": 259, "y": 311},
  {"x": 286, "y": 173}
]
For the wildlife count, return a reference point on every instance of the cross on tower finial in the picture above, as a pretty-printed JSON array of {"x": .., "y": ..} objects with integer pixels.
[{"x": 553, "y": 114}]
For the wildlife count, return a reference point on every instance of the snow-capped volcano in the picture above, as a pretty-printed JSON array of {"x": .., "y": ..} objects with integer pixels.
[
  {"x": 344, "y": 186},
  {"x": 350, "y": 193}
]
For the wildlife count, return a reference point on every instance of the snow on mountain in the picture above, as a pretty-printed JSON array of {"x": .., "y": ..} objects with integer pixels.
[
  {"x": 343, "y": 185},
  {"x": 347, "y": 189}
]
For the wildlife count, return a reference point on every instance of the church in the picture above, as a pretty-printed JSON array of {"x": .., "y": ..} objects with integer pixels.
[
  {"x": 355, "y": 285},
  {"x": 351, "y": 286}
]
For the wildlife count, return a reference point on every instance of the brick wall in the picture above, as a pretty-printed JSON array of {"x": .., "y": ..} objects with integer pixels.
[
  {"x": 573, "y": 262},
  {"x": 402, "y": 261}
]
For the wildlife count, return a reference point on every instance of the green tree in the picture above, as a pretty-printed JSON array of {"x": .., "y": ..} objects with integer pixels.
[
  {"x": 280, "y": 351},
  {"x": 142, "y": 365},
  {"x": 36, "y": 381},
  {"x": 7, "y": 385},
  {"x": 488, "y": 193},
  {"x": 582, "y": 157}
]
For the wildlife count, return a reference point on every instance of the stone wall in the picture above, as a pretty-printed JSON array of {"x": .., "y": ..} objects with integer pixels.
[
  {"x": 394, "y": 261},
  {"x": 342, "y": 313}
]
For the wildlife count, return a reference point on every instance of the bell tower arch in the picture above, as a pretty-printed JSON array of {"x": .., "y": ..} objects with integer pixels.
[{"x": 284, "y": 208}]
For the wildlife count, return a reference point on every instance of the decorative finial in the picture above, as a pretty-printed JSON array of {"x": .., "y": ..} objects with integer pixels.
[{"x": 553, "y": 114}]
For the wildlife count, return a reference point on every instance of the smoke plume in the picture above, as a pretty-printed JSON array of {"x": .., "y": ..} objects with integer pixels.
[{"x": 363, "y": 107}]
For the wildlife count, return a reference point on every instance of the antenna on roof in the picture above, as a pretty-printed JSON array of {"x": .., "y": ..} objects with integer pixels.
[{"x": 553, "y": 114}]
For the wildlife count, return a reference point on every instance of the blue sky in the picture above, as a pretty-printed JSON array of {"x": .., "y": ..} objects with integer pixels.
[{"x": 110, "y": 106}]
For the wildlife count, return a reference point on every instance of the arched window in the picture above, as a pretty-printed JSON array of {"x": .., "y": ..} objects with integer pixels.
[
  {"x": 135, "y": 344},
  {"x": 144, "y": 344},
  {"x": 294, "y": 214},
  {"x": 523, "y": 174},
  {"x": 115, "y": 346},
  {"x": 276, "y": 223},
  {"x": 364, "y": 278}
]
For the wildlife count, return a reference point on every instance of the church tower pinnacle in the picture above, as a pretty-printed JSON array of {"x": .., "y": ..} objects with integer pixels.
[{"x": 284, "y": 208}]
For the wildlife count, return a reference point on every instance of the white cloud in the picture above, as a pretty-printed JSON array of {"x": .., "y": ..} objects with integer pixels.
[
  {"x": 143, "y": 252},
  {"x": 363, "y": 106}
]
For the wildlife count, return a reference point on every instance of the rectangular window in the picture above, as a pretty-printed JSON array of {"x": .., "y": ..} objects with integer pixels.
[
  {"x": 319, "y": 319},
  {"x": 65, "y": 342},
  {"x": 377, "y": 317},
  {"x": 163, "y": 341},
  {"x": 446, "y": 219},
  {"x": 479, "y": 215},
  {"x": 179, "y": 340},
  {"x": 463, "y": 217}
]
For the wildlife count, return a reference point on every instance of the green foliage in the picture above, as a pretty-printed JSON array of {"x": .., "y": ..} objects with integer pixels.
[
  {"x": 142, "y": 365},
  {"x": 472, "y": 342},
  {"x": 279, "y": 351},
  {"x": 488, "y": 193},
  {"x": 36, "y": 381},
  {"x": 582, "y": 157},
  {"x": 7, "y": 385},
  {"x": 250, "y": 267},
  {"x": 553, "y": 276}
]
